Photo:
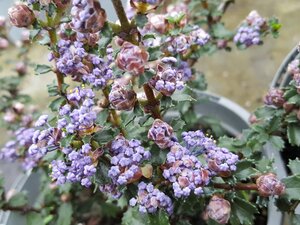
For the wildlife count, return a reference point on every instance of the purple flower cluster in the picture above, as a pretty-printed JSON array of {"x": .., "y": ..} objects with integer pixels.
[
  {"x": 179, "y": 44},
  {"x": 170, "y": 77},
  {"x": 221, "y": 160},
  {"x": 81, "y": 117},
  {"x": 111, "y": 189},
  {"x": 274, "y": 98},
  {"x": 199, "y": 36},
  {"x": 74, "y": 60},
  {"x": 127, "y": 157},
  {"x": 218, "y": 159},
  {"x": 249, "y": 33},
  {"x": 150, "y": 199},
  {"x": 151, "y": 2},
  {"x": 78, "y": 168},
  {"x": 185, "y": 172}
]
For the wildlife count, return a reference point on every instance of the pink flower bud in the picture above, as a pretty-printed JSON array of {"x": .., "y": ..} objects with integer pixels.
[
  {"x": 288, "y": 107},
  {"x": 275, "y": 97},
  {"x": 2, "y": 22},
  {"x": 21, "y": 15},
  {"x": 18, "y": 107},
  {"x": 161, "y": 133},
  {"x": 9, "y": 117},
  {"x": 252, "y": 119},
  {"x": 3, "y": 43},
  {"x": 158, "y": 22},
  {"x": 269, "y": 185},
  {"x": 122, "y": 97},
  {"x": 219, "y": 209},
  {"x": 21, "y": 68},
  {"x": 132, "y": 59}
]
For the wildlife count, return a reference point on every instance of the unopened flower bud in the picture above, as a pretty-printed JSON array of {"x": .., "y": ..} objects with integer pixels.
[
  {"x": 293, "y": 67},
  {"x": 269, "y": 185},
  {"x": 2, "y": 22},
  {"x": 21, "y": 15},
  {"x": 219, "y": 209},
  {"x": 3, "y": 43},
  {"x": 252, "y": 119},
  {"x": 21, "y": 68},
  {"x": 9, "y": 117},
  {"x": 88, "y": 16},
  {"x": 288, "y": 107},
  {"x": 18, "y": 107},
  {"x": 158, "y": 22},
  {"x": 275, "y": 98},
  {"x": 122, "y": 97},
  {"x": 161, "y": 133},
  {"x": 132, "y": 59},
  {"x": 65, "y": 197}
]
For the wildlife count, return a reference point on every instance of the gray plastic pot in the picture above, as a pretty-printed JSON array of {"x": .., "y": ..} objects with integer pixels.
[
  {"x": 282, "y": 78},
  {"x": 233, "y": 119}
]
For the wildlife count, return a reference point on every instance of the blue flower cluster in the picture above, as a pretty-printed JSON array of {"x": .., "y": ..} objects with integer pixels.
[
  {"x": 151, "y": 199},
  {"x": 127, "y": 157},
  {"x": 74, "y": 60},
  {"x": 78, "y": 168},
  {"x": 249, "y": 33}
]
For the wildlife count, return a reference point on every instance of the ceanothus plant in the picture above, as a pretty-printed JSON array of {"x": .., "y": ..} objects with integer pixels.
[{"x": 106, "y": 151}]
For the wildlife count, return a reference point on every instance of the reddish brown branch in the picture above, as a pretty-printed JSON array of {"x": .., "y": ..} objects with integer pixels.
[{"x": 152, "y": 104}]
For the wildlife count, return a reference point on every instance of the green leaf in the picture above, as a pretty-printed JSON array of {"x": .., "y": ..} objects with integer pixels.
[
  {"x": 245, "y": 170},
  {"x": 265, "y": 112},
  {"x": 294, "y": 165},
  {"x": 106, "y": 37},
  {"x": 276, "y": 142},
  {"x": 242, "y": 212},
  {"x": 141, "y": 20},
  {"x": 133, "y": 217},
  {"x": 65, "y": 212},
  {"x": 33, "y": 34},
  {"x": 19, "y": 199},
  {"x": 34, "y": 218},
  {"x": 57, "y": 103},
  {"x": 105, "y": 135},
  {"x": 177, "y": 124},
  {"x": 42, "y": 69},
  {"x": 293, "y": 132},
  {"x": 101, "y": 176},
  {"x": 181, "y": 97},
  {"x": 145, "y": 77},
  {"x": 220, "y": 31},
  {"x": 292, "y": 187},
  {"x": 66, "y": 141},
  {"x": 102, "y": 117},
  {"x": 154, "y": 53}
]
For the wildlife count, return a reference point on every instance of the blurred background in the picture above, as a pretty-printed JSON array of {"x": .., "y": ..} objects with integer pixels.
[{"x": 242, "y": 76}]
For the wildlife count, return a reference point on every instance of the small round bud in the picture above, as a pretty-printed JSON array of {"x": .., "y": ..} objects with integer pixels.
[
  {"x": 21, "y": 15},
  {"x": 65, "y": 197},
  {"x": 288, "y": 107},
  {"x": 253, "y": 119},
  {"x": 161, "y": 133},
  {"x": 122, "y": 98},
  {"x": 21, "y": 68},
  {"x": 219, "y": 209},
  {"x": 9, "y": 117},
  {"x": 132, "y": 59},
  {"x": 2, "y": 22},
  {"x": 3, "y": 43},
  {"x": 269, "y": 185},
  {"x": 18, "y": 107}
]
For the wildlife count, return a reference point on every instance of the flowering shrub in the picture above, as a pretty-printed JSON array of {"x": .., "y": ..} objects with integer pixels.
[{"x": 112, "y": 154}]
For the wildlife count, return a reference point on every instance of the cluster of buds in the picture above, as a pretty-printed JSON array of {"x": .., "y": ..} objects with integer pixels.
[
  {"x": 274, "y": 98},
  {"x": 162, "y": 134},
  {"x": 168, "y": 78},
  {"x": 122, "y": 97},
  {"x": 150, "y": 199},
  {"x": 21, "y": 15},
  {"x": 218, "y": 209},
  {"x": 87, "y": 16},
  {"x": 249, "y": 33},
  {"x": 269, "y": 185},
  {"x": 132, "y": 59}
]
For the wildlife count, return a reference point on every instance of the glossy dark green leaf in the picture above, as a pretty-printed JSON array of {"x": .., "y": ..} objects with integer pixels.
[
  {"x": 65, "y": 212},
  {"x": 42, "y": 69},
  {"x": 293, "y": 133},
  {"x": 292, "y": 185}
]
